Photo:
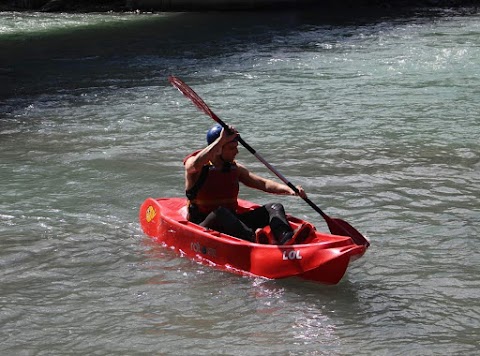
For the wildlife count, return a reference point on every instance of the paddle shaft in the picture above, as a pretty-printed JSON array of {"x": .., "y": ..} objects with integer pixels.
[
  {"x": 272, "y": 168},
  {"x": 336, "y": 226}
]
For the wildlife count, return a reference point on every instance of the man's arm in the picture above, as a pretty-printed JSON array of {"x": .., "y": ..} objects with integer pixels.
[{"x": 267, "y": 185}]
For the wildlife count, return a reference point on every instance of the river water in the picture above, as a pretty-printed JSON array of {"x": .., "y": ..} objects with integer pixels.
[{"x": 376, "y": 116}]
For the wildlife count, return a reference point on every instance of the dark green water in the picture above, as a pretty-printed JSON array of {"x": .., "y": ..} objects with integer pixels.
[{"x": 377, "y": 117}]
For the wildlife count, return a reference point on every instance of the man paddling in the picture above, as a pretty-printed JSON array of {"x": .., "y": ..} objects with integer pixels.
[{"x": 212, "y": 179}]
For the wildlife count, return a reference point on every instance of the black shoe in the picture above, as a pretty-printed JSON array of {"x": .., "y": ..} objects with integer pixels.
[
  {"x": 261, "y": 237},
  {"x": 299, "y": 235}
]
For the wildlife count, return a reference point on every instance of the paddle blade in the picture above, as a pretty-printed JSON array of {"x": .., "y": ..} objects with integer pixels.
[
  {"x": 343, "y": 228},
  {"x": 194, "y": 97}
]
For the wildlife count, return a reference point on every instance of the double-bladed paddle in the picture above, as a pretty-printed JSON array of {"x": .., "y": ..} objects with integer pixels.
[{"x": 336, "y": 226}]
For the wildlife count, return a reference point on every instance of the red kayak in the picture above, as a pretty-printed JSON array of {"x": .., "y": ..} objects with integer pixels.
[{"x": 321, "y": 257}]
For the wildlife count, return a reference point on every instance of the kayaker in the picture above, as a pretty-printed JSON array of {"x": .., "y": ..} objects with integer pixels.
[{"x": 212, "y": 179}]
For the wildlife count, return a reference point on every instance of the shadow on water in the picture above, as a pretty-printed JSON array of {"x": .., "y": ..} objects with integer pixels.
[{"x": 107, "y": 55}]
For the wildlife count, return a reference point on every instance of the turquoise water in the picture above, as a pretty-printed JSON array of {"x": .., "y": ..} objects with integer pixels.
[{"x": 376, "y": 116}]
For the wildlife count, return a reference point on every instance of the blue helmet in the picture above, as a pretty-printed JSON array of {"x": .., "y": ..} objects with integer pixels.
[{"x": 214, "y": 133}]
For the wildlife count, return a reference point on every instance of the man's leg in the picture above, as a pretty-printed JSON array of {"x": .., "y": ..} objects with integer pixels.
[
  {"x": 223, "y": 220},
  {"x": 270, "y": 214}
]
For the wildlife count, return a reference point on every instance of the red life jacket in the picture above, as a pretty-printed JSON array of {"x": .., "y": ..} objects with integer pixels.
[{"x": 215, "y": 187}]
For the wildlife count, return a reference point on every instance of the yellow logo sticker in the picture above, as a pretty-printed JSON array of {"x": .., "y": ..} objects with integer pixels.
[{"x": 150, "y": 213}]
